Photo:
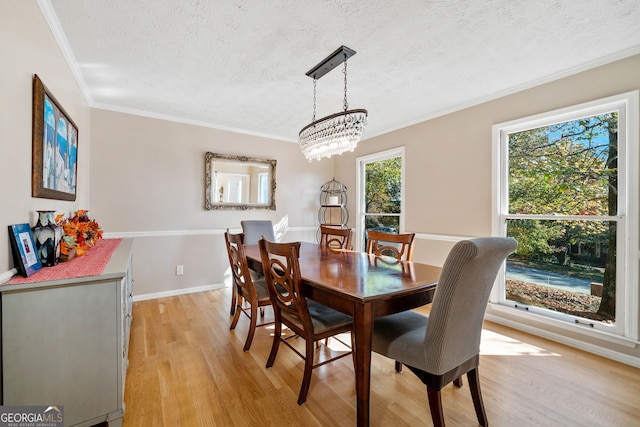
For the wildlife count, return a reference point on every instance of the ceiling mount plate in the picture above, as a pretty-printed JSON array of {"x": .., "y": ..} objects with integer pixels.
[{"x": 330, "y": 62}]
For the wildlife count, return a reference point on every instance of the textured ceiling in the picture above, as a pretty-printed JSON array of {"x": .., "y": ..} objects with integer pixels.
[{"x": 241, "y": 64}]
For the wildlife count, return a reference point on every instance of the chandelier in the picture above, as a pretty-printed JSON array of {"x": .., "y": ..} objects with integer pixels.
[{"x": 336, "y": 133}]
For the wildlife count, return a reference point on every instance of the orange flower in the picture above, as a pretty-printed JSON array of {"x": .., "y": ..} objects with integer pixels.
[{"x": 80, "y": 232}]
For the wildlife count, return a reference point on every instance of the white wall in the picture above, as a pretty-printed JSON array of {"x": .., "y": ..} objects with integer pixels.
[
  {"x": 28, "y": 47},
  {"x": 148, "y": 182}
]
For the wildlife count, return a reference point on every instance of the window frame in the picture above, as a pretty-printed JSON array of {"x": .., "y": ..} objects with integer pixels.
[
  {"x": 627, "y": 287},
  {"x": 361, "y": 163}
]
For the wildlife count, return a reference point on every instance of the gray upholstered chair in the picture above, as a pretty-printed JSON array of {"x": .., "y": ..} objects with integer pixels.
[
  {"x": 254, "y": 229},
  {"x": 446, "y": 344}
]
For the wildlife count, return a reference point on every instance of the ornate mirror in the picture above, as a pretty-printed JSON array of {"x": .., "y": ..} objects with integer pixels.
[{"x": 239, "y": 182}]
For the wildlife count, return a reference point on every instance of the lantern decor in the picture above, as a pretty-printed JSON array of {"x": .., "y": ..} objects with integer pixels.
[
  {"x": 47, "y": 235},
  {"x": 80, "y": 233}
]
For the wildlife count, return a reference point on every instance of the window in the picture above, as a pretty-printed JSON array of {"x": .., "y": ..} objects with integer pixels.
[
  {"x": 568, "y": 193},
  {"x": 263, "y": 187},
  {"x": 380, "y": 202}
]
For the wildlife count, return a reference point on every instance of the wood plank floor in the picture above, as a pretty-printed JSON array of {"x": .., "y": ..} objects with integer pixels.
[{"x": 187, "y": 369}]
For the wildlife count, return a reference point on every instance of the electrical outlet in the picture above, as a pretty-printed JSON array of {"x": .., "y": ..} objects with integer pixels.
[{"x": 179, "y": 270}]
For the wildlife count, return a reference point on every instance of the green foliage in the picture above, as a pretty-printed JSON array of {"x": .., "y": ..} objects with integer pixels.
[
  {"x": 569, "y": 168},
  {"x": 561, "y": 169},
  {"x": 383, "y": 186}
]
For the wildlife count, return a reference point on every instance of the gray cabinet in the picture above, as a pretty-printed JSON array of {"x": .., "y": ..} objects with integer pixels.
[{"x": 65, "y": 342}]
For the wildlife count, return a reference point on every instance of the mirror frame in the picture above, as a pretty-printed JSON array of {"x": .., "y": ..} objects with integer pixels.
[{"x": 209, "y": 204}]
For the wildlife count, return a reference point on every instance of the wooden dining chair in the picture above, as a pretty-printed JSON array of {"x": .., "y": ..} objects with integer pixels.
[
  {"x": 253, "y": 230},
  {"x": 443, "y": 346},
  {"x": 305, "y": 318},
  {"x": 253, "y": 292},
  {"x": 335, "y": 238},
  {"x": 399, "y": 246}
]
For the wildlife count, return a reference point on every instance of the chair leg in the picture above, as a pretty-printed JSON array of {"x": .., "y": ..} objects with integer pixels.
[
  {"x": 234, "y": 297},
  {"x": 398, "y": 366},
  {"x": 458, "y": 382},
  {"x": 277, "y": 331},
  {"x": 308, "y": 368},
  {"x": 236, "y": 316},
  {"x": 476, "y": 396},
  {"x": 435, "y": 405},
  {"x": 252, "y": 327},
  {"x": 261, "y": 311}
]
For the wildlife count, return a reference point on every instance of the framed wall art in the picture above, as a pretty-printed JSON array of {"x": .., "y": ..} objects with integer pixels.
[
  {"x": 23, "y": 247},
  {"x": 54, "y": 147}
]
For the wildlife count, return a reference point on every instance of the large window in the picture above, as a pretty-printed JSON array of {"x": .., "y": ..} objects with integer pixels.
[
  {"x": 380, "y": 193},
  {"x": 568, "y": 193}
]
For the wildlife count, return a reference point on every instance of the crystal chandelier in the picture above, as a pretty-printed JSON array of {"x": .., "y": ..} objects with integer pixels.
[{"x": 338, "y": 132}]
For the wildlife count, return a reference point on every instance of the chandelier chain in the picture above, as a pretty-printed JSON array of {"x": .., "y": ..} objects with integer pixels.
[
  {"x": 314, "y": 100},
  {"x": 345, "y": 104}
]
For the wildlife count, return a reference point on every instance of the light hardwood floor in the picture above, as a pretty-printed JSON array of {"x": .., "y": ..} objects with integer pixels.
[{"x": 187, "y": 369}]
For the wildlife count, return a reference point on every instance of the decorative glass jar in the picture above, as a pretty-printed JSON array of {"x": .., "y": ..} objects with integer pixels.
[{"x": 47, "y": 235}]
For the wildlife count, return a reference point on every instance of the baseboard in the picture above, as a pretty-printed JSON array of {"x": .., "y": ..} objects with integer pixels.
[{"x": 176, "y": 292}]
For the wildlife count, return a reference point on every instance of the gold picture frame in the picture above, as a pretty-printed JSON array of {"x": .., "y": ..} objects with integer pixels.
[{"x": 54, "y": 164}]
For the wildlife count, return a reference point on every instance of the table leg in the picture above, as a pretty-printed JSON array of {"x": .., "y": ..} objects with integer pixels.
[{"x": 363, "y": 328}]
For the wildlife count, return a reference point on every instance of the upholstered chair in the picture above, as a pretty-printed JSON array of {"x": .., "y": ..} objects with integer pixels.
[
  {"x": 441, "y": 347},
  {"x": 254, "y": 230}
]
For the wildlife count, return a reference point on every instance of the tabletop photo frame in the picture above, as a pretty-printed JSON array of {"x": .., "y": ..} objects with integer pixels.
[
  {"x": 23, "y": 247},
  {"x": 54, "y": 163}
]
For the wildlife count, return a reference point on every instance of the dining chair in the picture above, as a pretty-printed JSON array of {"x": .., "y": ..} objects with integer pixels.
[
  {"x": 305, "y": 318},
  {"x": 443, "y": 346},
  {"x": 399, "y": 246},
  {"x": 254, "y": 292},
  {"x": 253, "y": 230},
  {"x": 335, "y": 238}
]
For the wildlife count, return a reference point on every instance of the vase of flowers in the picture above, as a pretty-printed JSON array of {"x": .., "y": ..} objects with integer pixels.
[{"x": 80, "y": 233}]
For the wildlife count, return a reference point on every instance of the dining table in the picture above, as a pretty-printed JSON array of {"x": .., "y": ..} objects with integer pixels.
[{"x": 363, "y": 286}]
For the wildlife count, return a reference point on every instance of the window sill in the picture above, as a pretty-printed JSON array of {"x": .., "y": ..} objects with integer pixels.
[{"x": 553, "y": 329}]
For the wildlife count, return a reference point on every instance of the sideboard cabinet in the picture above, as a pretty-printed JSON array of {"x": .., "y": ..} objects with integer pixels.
[{"x": 65, "y": 342}]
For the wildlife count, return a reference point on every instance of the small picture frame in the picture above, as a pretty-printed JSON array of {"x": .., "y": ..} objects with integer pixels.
[
  {"x": 23, "y": 247},
  {"x": 54, "y": 167}
]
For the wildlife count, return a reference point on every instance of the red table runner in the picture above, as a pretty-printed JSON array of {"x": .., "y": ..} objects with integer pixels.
[{"x": 91, "y": 264}]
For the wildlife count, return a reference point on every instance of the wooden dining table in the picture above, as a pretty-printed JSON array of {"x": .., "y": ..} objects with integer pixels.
[{"x": 365, "y": 287}]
